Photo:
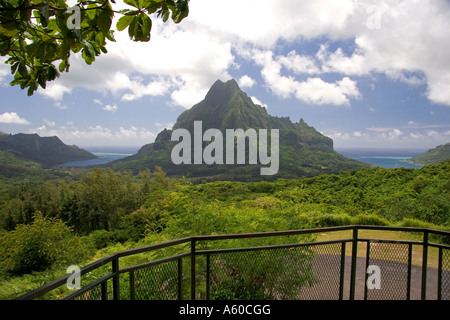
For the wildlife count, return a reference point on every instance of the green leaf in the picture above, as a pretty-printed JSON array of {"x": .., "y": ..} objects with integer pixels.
[
  {"x": 100, "y": 39},
  {"x": 44, "y": 14},
  {"x": 9, "y": 29},
  {"x": 63, "y": 66},
  {"x": 32, "y": 87},
  {"x": 124, "y": 22},
  {"x": 104, "y": 21},
  {"x": 134, "y": 3},
  {"x": 88, "y": 53},
  {"x": 151, "y": 5},
  {"x": 23, "y": 70},
  {"x": 42, "y": 80},
  {"x": 14, "y": 67},
  {"x": 110, "y": 35},
  {"x": 181, "y": 11},
  {"x": 52, "y": 73},
  {"x": 140, "y": 27}
]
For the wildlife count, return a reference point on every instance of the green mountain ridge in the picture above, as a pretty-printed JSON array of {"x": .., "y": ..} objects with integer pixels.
[
  {"x": 44, "y": 151},
  {"x": 303, "y": 150},
  {"x": 433, "y": 156}
]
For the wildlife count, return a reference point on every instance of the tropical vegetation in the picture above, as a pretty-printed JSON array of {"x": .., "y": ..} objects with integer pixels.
[{"x": 50, "y": 225}]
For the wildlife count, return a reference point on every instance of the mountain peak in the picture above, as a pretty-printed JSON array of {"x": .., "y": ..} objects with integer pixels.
[
  {"x": 227, "y": 85},
  {"x": 225, "y": 106},
  {"x": 303, "y": 150},
  {"x": 221, "y": 92}
]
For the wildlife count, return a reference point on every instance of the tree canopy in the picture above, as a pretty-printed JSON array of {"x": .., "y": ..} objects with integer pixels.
[{"x": 38, "y": 36}]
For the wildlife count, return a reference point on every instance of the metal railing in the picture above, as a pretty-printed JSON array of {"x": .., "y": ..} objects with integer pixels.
[{"x": 272, "y": 265}]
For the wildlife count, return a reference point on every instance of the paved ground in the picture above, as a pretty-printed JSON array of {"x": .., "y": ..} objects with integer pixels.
[{"x": 393, "y": 281}]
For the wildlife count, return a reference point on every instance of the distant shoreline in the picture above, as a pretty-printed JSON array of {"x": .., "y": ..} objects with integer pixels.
[
  {"x": 102, "y": 158},
  {"x": 384, "y": 158},
  {"x": 387, "y": 158}
]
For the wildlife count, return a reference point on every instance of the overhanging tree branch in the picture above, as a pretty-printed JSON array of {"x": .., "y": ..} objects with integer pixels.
[{"x": 34, "y": 47}]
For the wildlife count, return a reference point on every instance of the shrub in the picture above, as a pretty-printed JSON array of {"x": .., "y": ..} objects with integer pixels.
[
  {"x": 35, "y": 247},
  {"x": 414, "y": 223},
  {"x": 370, "y": 220},
  {"x": 332, "y": 220}
]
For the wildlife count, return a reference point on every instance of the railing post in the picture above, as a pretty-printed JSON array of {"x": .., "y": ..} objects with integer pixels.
[
  {"x": 208, "y": 275},
  {"x": 439, "y": 288},
  {"x": 354, "y": 256},
  {"x": 132, "y": 288},
  {"x": 341, "y": 280},
  {"x": 408, "y": 286},
  {"x": 365, "y": 270},
  {"x": 424, "y": 264},
  {"x": 115, "y": 279},
  {"x": 104, "y": 290},
  {"x": 180, "y": 278},
  {"x": 193, "y": 269}
]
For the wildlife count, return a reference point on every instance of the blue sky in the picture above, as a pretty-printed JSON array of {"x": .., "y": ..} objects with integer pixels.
[{"x": 368, "y": 74}]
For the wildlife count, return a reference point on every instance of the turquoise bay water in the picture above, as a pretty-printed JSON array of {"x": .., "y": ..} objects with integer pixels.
[
  {"x": 384, "y": 158},
  {"x": 379, "y": 158},
  {"x": 102, "y": 159},
  {"x": 388, "y": 162}
]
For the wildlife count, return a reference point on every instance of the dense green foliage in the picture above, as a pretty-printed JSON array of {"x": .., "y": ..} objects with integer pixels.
[
  {"x": 433, "y": 156},
  {"x": 303, "y": 151},
  {"x": 38, "y": 34},
  {"x": 43, "y": 244},
  {"x": 60, "y": 222}
]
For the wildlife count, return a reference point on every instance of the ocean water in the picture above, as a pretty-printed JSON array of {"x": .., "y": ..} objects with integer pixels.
[
  {"x": 103, "y": 157},
  {"x": 384, "y": 158}
]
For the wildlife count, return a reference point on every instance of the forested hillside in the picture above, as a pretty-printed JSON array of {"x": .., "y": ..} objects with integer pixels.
[
  {"x": 52, "y": 225},
  {"x": 45, "y": 151},
  {"x": 433, "y": 156}
]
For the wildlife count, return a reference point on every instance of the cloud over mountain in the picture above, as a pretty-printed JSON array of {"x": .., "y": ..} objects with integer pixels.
[{"x": 184, "y": 59}]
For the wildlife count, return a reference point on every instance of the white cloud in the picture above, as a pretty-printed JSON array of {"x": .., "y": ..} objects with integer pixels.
[
  {"x": 182, "y": 61},
  {"x": 299, "y": 64},
  {"x": 312, "y": 90},
  {"x": 317, "y": 91},
  {"x": 99, "y": 135},
  {"x": 181, "y": 64},
  {"x": 12, "y": 117},
  {"x": 394, "y": 134},
  {"x": 110, "y": 108},
  {"x": 264, "y": 22},
  {"x": 54, "y": 91},
  {"x": 257, "y": 101},
  {"x": 412, "y": 41},
  {"x": 4, "y": 70},
  {"x": 166, "y": 125},
  {"x": 412, "y": 138},
  {"x": 50, "y": 123},
  {"x": 246, "y": 82},
  {"x": 379, "y": 129},
  {"x": 338, "y": 62}
]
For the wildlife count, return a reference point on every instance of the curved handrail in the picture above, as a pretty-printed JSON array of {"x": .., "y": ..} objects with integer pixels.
[{"x": 192, "y": 239}]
